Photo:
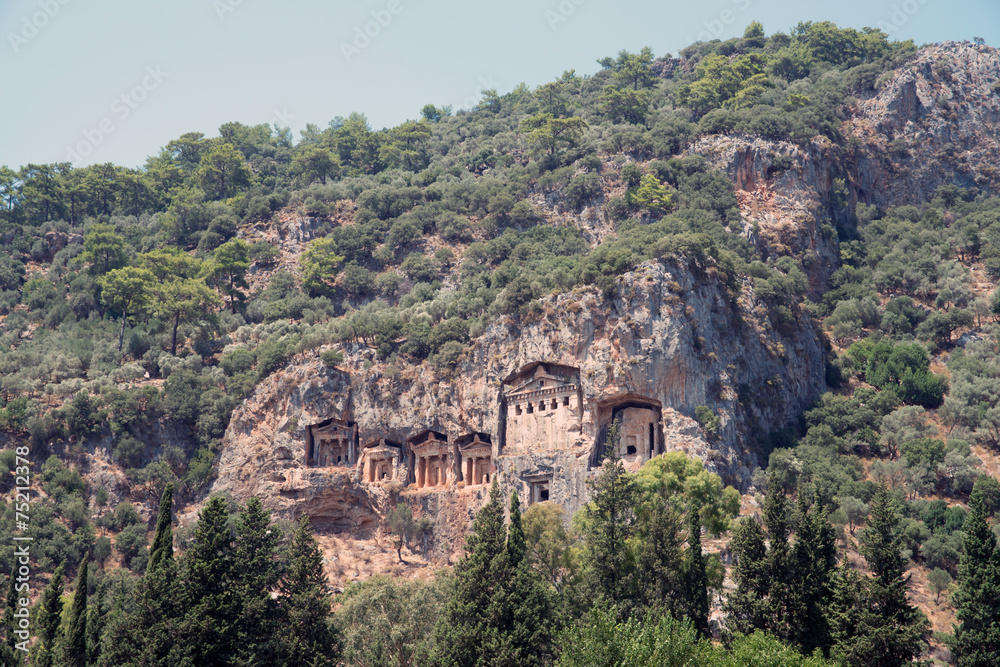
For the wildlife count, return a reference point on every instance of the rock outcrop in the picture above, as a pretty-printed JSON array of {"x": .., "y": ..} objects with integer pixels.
[
  {"x": 935, "y": 121},
  {"x": 674, "y": 339},
  {"x": 532, "y": 401}
]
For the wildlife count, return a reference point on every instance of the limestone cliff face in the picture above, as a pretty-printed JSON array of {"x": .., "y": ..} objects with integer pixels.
[
  {"x": 673, "y": 340},
  {"x": 935, "y": 121},
  {"x": 532, "y": 401}
]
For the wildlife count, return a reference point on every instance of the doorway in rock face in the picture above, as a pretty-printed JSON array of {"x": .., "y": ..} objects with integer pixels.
[
  {"x": 540, "y": 491},
  {"x": 639, "y": 428},
  {"x": 539, "y": 488}
]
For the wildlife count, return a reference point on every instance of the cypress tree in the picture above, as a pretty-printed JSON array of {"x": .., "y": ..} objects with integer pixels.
[
  {"x": 255, "y": 575},
  {"x": 872, "y": 620},
  {"x": 49, "y": 618},
  {"x": 522, "y": 610},
  {"x": 308, "y": 637},
  {"x": 75, "y": 645},
  {"x": 96, "y": 619},
  {"x": 697, "y": 577},
  {"x": 780, "y": 605},
  {"x": 147, "y": 625},
  {"x": 747, "y": 605},
  {"x": 815, "y": 557},
  {"x": 515, "y": 535},
  {"x": 662, "y": 587},
  {"x": 610, "y": 523},
  {"x": 163, "y": 540},
  {"x": 466, "y": 630},
  {"x": 977, "y": 600},
  {"x": 882, "y": 542},
  {"x": 208, "y": 586}
]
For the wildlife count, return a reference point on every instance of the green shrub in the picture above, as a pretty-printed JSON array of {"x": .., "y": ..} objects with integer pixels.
[
  {"x": 582, "y": 189},
  {"x": 708, "y": 420}
]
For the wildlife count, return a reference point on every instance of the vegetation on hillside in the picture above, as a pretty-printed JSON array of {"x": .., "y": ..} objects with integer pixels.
[{"x": 136, "y": 314}]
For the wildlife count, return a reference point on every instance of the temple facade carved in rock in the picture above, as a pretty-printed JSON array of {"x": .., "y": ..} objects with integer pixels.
[
  {"x": 476, "y": 454},
  {"x": 639, "y": 426},
  {"x": 546, "y": 430},
  {"x": 432, "y": 458},
  {"x": 382, "y": 461},
  {"x": 331, "y": 443},
  {"x": 544, "y": 406}
]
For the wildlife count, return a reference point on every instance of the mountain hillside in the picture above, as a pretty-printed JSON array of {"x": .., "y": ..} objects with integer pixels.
[{"x": 770, "y": 262}]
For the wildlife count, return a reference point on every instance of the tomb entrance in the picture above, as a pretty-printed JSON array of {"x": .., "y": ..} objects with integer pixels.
[
  {"x": 332, "y": 442},
  {"x": 639, "y": 428},
  {"x": 539, "y": 488},
  {"x": 544, "y": 407},
  {"x": 432, "y": 459},
  {"x": 475, "y": 452},
  {"x": 381, "y": 461}
]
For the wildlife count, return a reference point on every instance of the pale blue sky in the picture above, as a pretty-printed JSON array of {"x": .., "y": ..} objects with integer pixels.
[{"x": 191, "y": 65}]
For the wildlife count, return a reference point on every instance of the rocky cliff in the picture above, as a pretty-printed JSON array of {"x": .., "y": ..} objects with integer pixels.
[
  {"x": 933, "y": 122},
  {"x": 675, "y": 339}
]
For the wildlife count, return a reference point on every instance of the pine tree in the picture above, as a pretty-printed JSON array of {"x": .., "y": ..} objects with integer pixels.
[
  {"x": 163, "y": 540},
  {"x": 255, "y": 575},
  {"x": 697, "y": 577},
  {"x": 75, "y": 644},
  {"x": 977, "y": 637},
  {"x": 873, "y": 622},
  {"x": 307, "y": 635},
  {"x": 49, "y": 618},
  {"x": 466, "y": 630}
]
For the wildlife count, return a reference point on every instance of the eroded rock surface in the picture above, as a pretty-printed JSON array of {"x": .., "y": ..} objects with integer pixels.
[{"x": 675, "y": 339}]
